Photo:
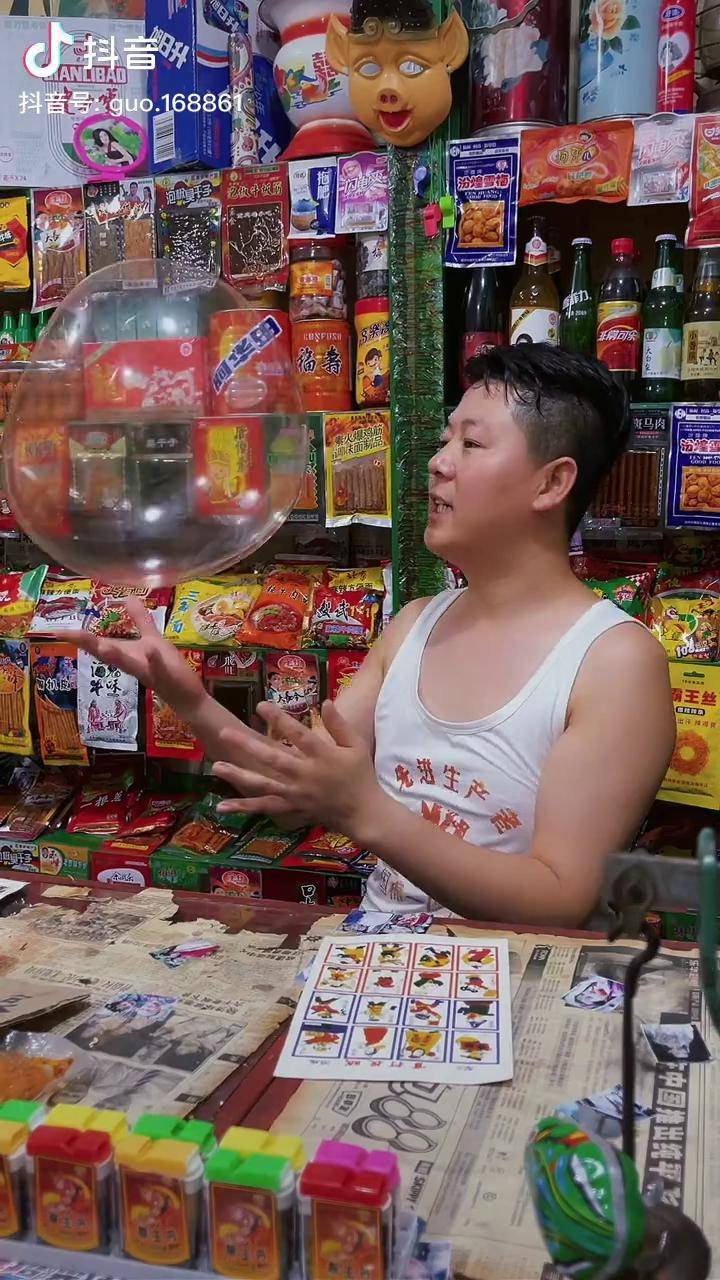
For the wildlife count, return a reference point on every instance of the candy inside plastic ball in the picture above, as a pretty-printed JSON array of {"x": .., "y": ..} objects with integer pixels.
[{"x": 157, "y": 434}]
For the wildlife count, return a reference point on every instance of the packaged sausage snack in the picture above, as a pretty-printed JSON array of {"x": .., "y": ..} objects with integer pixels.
[
  {"x": 292, "y": 683},
  {"x": 357, "y": 468},
  {"x": 15, "y": 698},
  {"x": 577, "y": 162}
]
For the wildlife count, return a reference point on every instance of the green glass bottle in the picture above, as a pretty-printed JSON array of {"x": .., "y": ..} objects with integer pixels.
[
  {"x": 663, "y": 316},
  {"x": 578, "y": 317}
]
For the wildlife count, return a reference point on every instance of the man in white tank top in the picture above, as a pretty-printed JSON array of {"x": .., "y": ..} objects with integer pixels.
[{"x": 498, "y": 742}]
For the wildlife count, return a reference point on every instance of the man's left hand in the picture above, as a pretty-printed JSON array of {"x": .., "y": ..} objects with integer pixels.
[{"x": 322, "y": 777}]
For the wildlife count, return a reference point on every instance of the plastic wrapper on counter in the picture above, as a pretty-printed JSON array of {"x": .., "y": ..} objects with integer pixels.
[{"x": 36, "y": 1066}]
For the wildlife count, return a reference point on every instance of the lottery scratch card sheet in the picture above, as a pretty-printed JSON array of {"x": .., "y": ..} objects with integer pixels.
[{"x": 395, "y": 1009}]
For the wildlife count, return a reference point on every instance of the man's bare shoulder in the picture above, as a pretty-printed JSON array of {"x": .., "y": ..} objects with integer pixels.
[
  {"x": 401, "y": 625},
  {"x": 624, "y": 664}
]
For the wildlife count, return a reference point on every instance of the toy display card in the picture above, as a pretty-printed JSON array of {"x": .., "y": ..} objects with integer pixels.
[{"x": 396, "y": 1008}]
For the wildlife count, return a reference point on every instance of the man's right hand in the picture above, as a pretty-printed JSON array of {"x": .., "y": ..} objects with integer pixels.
[{"x": 155, "y": 662}]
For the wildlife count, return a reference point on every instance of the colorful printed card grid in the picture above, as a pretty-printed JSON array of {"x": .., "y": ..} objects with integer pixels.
[{"x": 395, "y": 1008}]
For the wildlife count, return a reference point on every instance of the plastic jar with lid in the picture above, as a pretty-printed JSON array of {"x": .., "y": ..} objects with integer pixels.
[{"x": 318, "y": 285}]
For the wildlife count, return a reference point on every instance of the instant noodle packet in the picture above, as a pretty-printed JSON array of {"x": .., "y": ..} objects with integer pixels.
[
  {"x": 15, "y": 697},
  {"x": 703, "y": 229},
  {"x": 107, "y": 616},
  {"x": 684, "y": 614},
  {"x": 14, "y": 256},
  {"x": 343, "y": 619},
  {"x": 292, "y": 683},
  {"x": 279, "y": 617},
  {"x": 211, "y": 611},
  {"x": 693, "y": 775},
  {"x": 167, "y": 736},
  {"x": 62, "y": 605},
  {"x": 55, "y": 679},
  {"x": 357, "y": 468},
  {"x": 19, "y": 594},
  {"x": 577, "y": 162}
]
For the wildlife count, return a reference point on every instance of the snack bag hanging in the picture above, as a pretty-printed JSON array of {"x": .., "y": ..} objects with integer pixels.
[
  {"x": 14, "y": 257},
  {"x": 279, "y": 617},
  {"x": 211, "y": 611},
  {"x": 58, "y": 245},
  {"x": 55, "y": 678},
  {"x": 577, "y": 162},
  {"x": 15, "y": 698},
  {"x": 19, "y": 594},
  {"x": 167, "y": 736},
  {"x": 106, "y": 614},
  {"x": 256, "y": 222},
  {"x": 357, "y": 468},
  {"x": 684, "y": 614},
  {"x": 107, "y": 705},
  {"x": 62, "y": 606}
]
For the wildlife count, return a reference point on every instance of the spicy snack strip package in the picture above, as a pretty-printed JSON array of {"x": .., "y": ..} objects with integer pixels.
[
  {"x": 578, "y": 162},
  {"x": 346, "y": 613},
  {"x": 19, "y": 594},
  {"x": 107, "y": 705},
  {"x": 119, "y": 222},
  {"x": 58, "y": 245},
  {"x": 104, "y": 801},
  {"x": 55, "y": 680},
  {"x": 211, "y": 611},
  {"x": 188, "y": 216},
  {"x": 704, "y": 225},
  {"x": 168, "y": 736},
  {"x": 357, "y": 468},
  {"x": 341, "y": 668},
  {"x": 629, "y": 592},
  {"x": 279, "y": 617},
  {"x": 15, "y": 698},
  {"x": 14, "y": 258},
  {"x": 292, "y": 683}
]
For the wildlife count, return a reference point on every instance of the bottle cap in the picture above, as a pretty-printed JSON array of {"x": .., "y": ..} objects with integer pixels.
[
  {"x": 581, "y": 240},
  {"x": 666, "y": 235},
  {"x": 624, "y": 245}
]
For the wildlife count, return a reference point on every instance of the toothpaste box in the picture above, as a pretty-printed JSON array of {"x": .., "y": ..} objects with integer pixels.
[{"x": 192, "y": 58}]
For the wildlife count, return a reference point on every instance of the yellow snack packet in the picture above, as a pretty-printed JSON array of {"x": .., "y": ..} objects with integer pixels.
[
  {"x": 211, "y": 611},
  {"x": 693, "y": 775}
]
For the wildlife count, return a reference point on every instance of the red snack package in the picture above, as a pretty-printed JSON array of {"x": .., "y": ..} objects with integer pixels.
[
  {"x": 279, "y": 617},
  {"x": 58, "y": 244},
  {"x": 157, "y": 812},
  {"x": 343, "y": 619},
  {"x": 256, "y": 222},
  {"x": 341, "y": 667},
  {"x": 103, "y": 803},
  {"x": 577, "y": 162},
  {"x": 167, "y": 736},
  {"x": 319, "y": 843},
  {"x": 704, "y": 226}
]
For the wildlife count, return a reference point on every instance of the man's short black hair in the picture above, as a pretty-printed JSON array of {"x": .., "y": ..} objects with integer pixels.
[
  {"x": 568, "y": 405},
  {"x": 395, "y": 15}
]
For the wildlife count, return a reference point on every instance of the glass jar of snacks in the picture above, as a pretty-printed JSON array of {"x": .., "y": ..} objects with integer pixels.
[{"x": 318, "y": 285}]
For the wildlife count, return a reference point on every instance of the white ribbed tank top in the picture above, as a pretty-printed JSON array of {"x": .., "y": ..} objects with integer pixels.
[{"x": 477, "y": 780}]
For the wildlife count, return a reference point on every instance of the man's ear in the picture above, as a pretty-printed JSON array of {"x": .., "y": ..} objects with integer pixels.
[
  {"x": 557, "y": 480},
  {"x": 337, "y": 45},
  {"x": 454, "y": 41}
]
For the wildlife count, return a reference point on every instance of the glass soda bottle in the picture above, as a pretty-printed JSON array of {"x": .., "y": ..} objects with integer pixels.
[
  {"x": 484, "y": 324},
  {"x": 663, "y": 314},
  {"x": 534, "y": 304},
  {"x": 701, "y": 331},
  {"x": 619, "y": 326},
  {"x": 578, "y": 318}
]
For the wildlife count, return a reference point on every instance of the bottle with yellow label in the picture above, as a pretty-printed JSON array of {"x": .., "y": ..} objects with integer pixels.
[
  {"x": 701, "y": 331},
  {"x": 535, "y": 304},
  {"x": 69, "y": 1161},
  {"x": 16, "y": 1121}
]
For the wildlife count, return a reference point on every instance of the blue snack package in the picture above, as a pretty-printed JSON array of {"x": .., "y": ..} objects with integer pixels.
[
  {"x": 483, "y": 179},
  {"x": 693, "y": 496},
  {"x": 313, "y": 197}
]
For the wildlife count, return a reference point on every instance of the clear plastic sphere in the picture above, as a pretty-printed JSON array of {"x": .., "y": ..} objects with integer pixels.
[{"x": 157, "y": 435}]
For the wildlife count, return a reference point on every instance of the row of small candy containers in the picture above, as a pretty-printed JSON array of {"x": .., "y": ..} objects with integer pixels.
[{"x": 165, "y": 1194}]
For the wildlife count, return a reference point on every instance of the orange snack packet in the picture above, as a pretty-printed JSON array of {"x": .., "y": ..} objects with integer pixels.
[
  {"x": 280, "y": 615},
  {"x": 579, "y": 162},
  {"x": 704, "y": 225}
]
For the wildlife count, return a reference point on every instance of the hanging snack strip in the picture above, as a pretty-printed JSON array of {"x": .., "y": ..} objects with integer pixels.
[
  {"x": 189, "y": 216},
  {"x": 54, "y": 669},
  {"x": 15, "y": 698},
  {"x": 58, "y": 236},
  {"x": 256, "y": 220},
  {"x": 357, "y": 468}
]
